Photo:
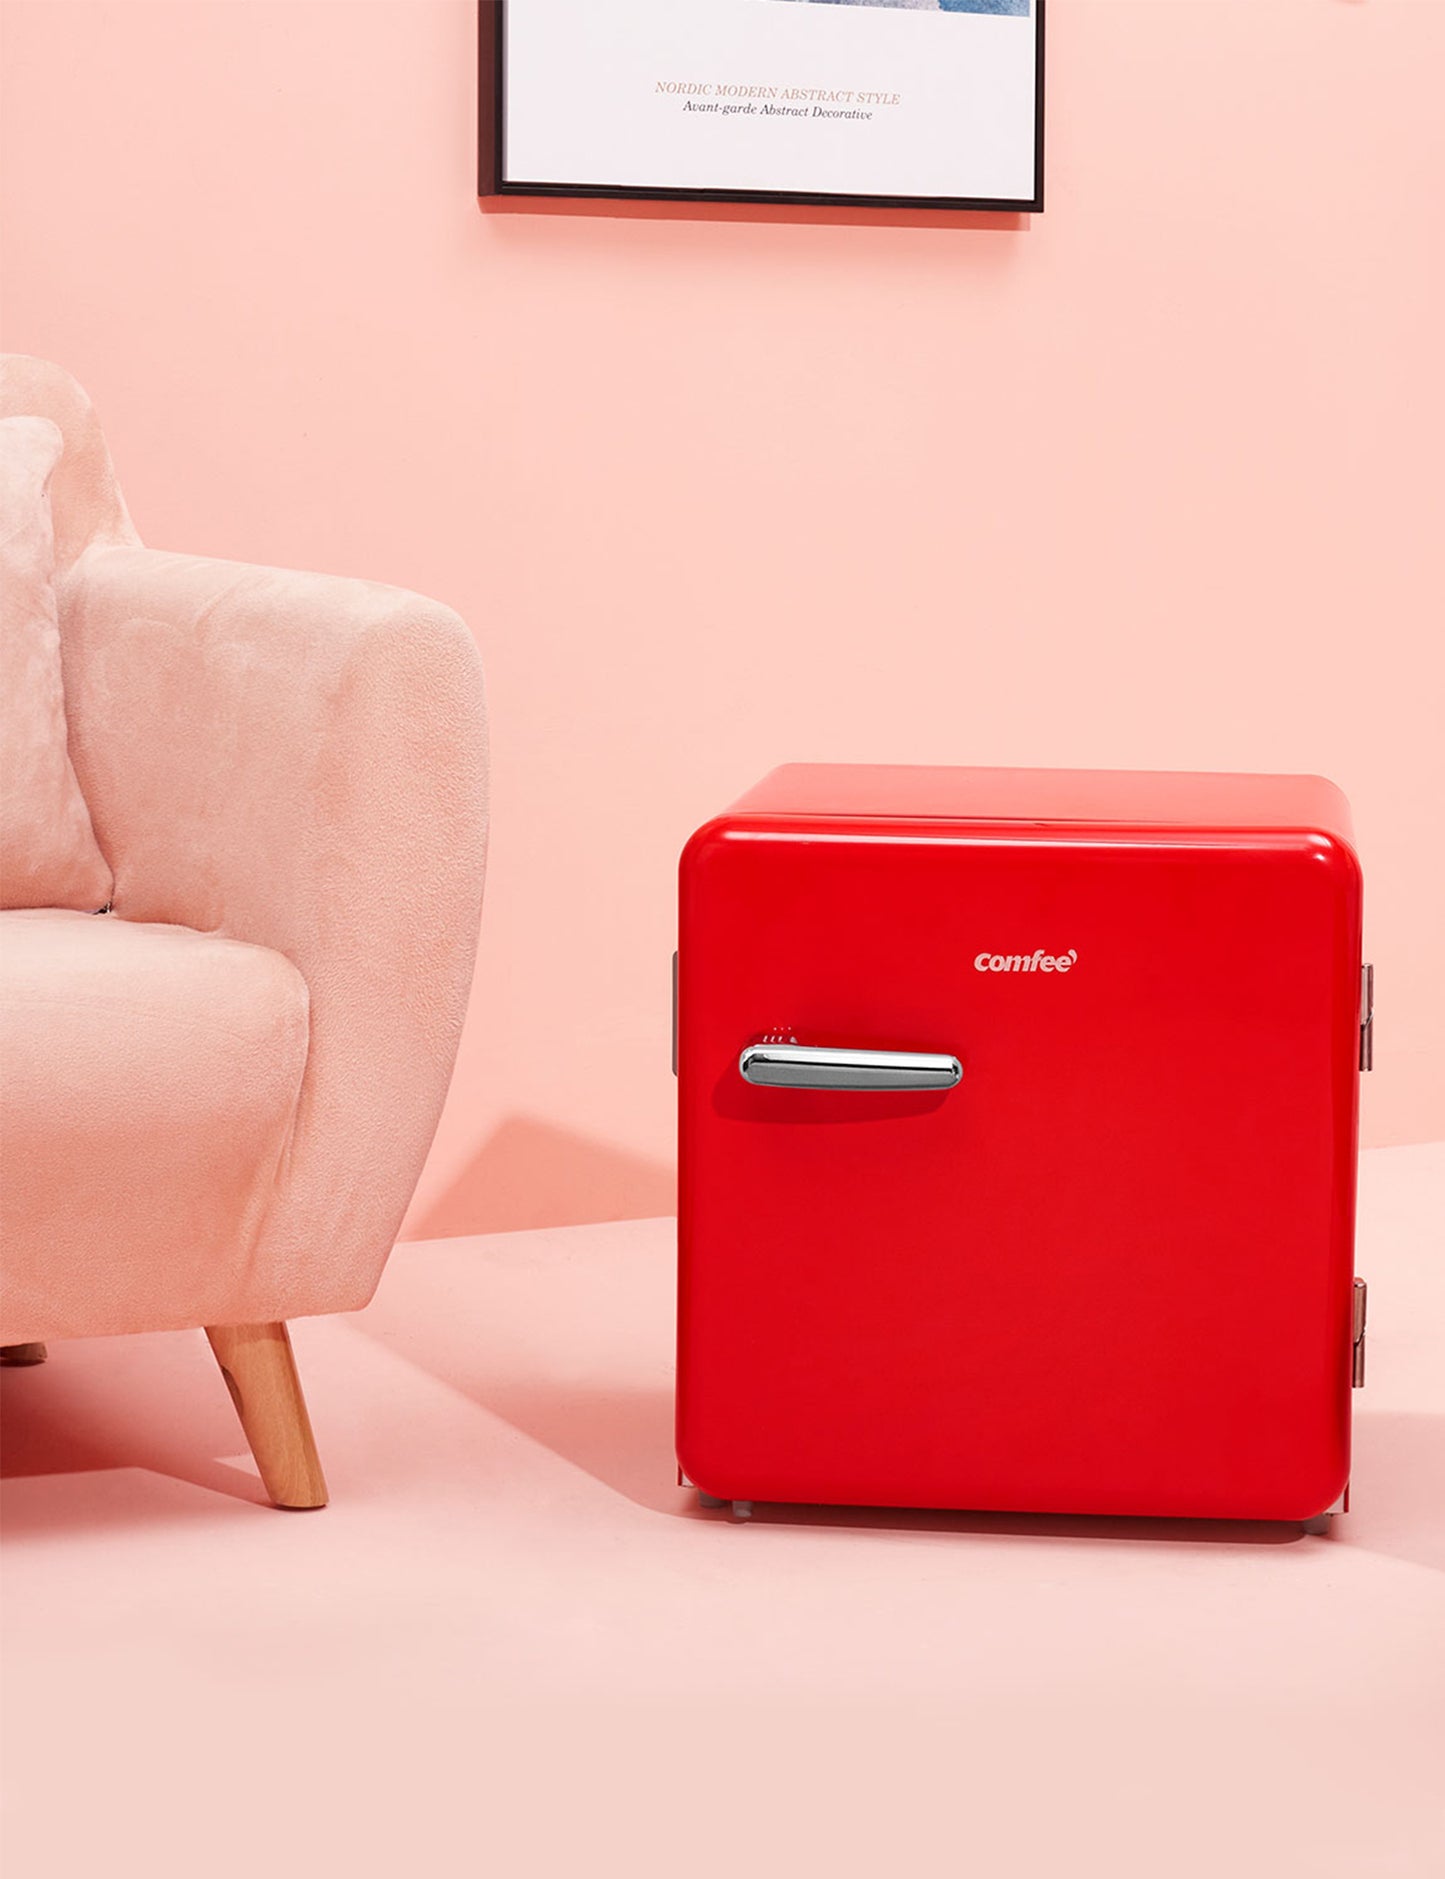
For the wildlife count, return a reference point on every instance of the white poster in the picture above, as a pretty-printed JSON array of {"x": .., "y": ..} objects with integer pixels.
[{"x": 933, "y": 102}]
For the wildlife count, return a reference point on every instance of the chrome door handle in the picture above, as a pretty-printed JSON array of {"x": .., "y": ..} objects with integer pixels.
[{"x": 806, "y": 1067}]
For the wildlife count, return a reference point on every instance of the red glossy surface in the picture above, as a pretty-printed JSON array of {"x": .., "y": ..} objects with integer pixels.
[{"x": 1110, "y": 1272}]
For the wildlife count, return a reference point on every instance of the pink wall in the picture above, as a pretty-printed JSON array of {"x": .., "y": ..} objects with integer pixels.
[{"x": 1150, "y": 480}]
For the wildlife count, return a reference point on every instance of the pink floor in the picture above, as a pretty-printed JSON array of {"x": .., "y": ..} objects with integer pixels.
[{"x": 512, "y": 1645}]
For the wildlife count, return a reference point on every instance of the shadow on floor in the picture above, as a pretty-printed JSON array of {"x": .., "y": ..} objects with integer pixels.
[
  {"x": 533, "y": 1174},
  {"x": 150, "y": 1411}
]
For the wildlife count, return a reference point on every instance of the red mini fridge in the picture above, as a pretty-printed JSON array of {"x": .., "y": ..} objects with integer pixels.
[{"x": 1018, "y": 1142}]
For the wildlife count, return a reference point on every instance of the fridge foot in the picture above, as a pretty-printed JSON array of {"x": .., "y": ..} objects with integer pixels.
[
  {"x": 1318, "y": 1523},
  {"x": 709, "y": 1500},
  {"x": 742, "y": 1510}
]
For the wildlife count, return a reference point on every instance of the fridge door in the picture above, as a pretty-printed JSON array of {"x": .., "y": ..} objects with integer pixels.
[{"x": 1103, "y": 1268}]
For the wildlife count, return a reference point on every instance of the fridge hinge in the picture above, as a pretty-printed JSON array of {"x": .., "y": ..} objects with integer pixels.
[
  {"x": 1357, "y": 1368},
  {"x": 1367, "y": 1017}
]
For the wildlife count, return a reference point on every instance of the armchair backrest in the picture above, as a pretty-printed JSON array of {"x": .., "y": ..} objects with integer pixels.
[{"x": 84, "y": 494}]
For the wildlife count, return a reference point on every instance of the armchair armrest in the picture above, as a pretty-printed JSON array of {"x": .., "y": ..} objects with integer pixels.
[{"x": 299, "y": 761}]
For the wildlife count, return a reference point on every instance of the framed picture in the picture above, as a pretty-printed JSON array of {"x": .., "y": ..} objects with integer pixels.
[{"x": 932, "y": 104}]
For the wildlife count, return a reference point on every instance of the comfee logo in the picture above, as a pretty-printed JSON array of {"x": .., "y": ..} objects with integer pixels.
[{"x": 1026, "y": 962}]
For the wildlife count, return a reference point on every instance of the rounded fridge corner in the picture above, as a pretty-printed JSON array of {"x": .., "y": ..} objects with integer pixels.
[
  {"x": 703, "y": 840},
  {"x": 697, "y": 1472},
  {"x": 1329, "y": 813},
  {"x": 1337, "y": 851},
  {"x": 1325, "y": 1495}
]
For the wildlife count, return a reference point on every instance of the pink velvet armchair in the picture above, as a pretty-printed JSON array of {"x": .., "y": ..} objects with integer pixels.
[{"x": 218, "y": 1090}]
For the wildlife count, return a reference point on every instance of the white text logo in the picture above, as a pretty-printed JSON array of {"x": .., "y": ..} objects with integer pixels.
[{"x": 1026, "y": 962}]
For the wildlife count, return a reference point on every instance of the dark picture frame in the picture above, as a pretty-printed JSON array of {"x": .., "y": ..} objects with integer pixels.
[{"x": 492, "y": 180}]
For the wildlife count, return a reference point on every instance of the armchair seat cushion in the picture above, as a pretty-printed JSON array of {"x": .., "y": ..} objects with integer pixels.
[{"x": 150, "y": 1088}]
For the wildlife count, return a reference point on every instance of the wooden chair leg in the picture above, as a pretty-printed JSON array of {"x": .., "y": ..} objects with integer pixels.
[
  {"x": 16, "y": 1355},
  {"x": 260, "y": 1371}
]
